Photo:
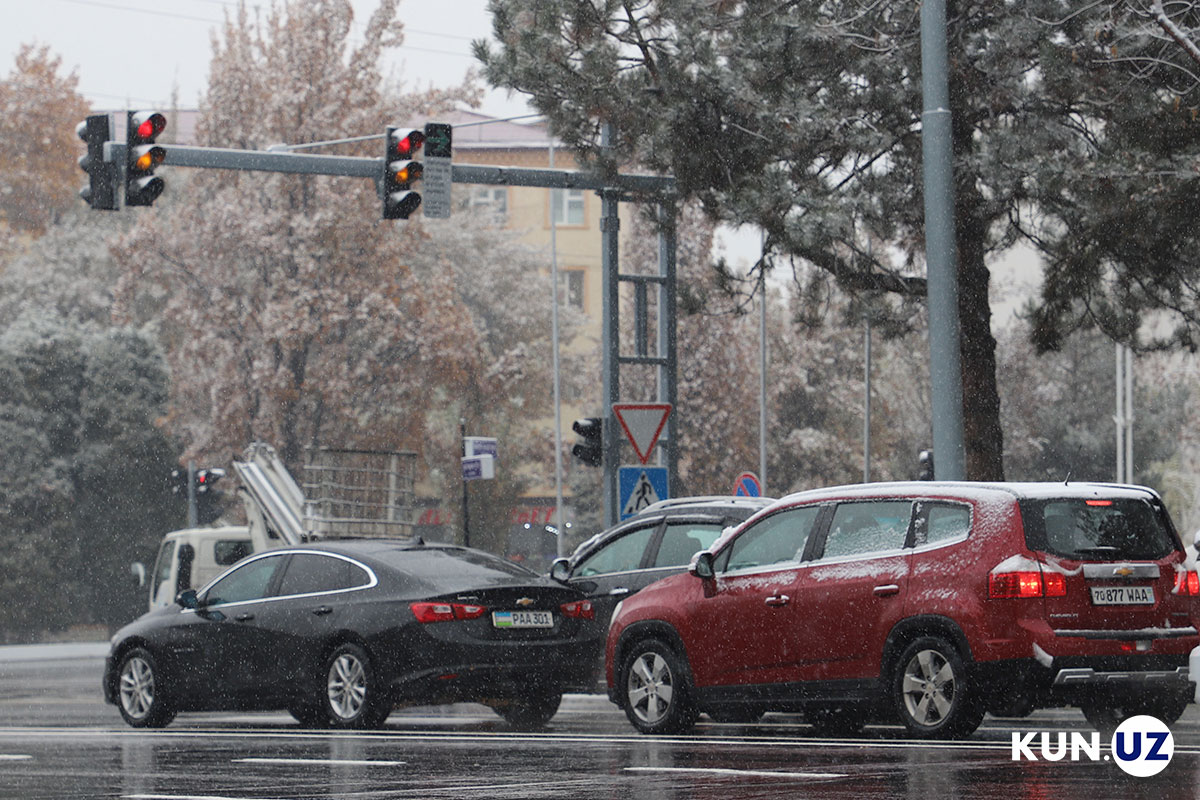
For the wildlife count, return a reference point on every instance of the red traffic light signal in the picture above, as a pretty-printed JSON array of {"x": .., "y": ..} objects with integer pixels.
[
  {"x": 400, "y": 169},
  {"x": 142, "y": 155}
]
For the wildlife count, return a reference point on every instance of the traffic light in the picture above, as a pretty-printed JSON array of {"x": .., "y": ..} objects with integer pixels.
[
  {"x": 591, "y": 450},
  {"x": 400, "y": 170},
  {"x": 925, "y": 465},
  {"x": 142, "y": 155},
  {"x": 101, "y": 191},
  {"x": 208, "y": 497},
  {"x": 179, "y": 483}
]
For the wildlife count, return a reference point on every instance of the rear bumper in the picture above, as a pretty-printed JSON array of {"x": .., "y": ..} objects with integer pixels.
[
  {"x": 1045, "y": 682},
  {"x": 1179, "y": 678}
]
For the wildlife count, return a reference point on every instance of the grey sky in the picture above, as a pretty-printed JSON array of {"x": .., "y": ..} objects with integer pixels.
[{"x": 92, "y": 36}]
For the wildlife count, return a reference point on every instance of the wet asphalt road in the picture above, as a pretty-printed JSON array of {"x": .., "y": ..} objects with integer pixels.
[{"x": 59, "y": 740}]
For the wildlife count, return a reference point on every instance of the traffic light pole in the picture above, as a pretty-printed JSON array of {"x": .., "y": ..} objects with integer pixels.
[{"x": 193, "y": 516}]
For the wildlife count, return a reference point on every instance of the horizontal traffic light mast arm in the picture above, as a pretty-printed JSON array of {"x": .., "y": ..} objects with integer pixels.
[
  {"x": 560, "y": 179},
  {"x": 360, "y": 167}
]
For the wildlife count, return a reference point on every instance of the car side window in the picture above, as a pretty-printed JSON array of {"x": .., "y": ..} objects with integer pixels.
[
  {"x": 248, "y": 582},
  {"x": 777, "y": 539},
  {"x": 682, "y": 540},
  {"x": 940, "y": 522},
  {"x": 620, "y": 555},
  {"x": 310, "y": 573},
  {"x": 870, "y": 527}
]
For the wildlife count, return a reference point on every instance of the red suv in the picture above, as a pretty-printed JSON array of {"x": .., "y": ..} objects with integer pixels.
[{"x": 926, "y": 603}]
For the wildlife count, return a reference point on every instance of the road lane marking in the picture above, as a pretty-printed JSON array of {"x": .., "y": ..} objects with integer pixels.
[
  {"x": 190, "y": 797},
  {"x": 430, "y": 737},
  {"x": 344, "y": 762},
  {"x": 15, "y": 757},
  {"x": 742, "y": 773}
]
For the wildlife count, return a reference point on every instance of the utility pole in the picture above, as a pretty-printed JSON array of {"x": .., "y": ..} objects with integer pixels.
[{"x": 941, "y": 255}]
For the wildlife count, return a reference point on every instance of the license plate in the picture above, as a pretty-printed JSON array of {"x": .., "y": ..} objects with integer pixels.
[
  {"x": 522, "y": 619},
  {"x": 1123, "y": 595}
]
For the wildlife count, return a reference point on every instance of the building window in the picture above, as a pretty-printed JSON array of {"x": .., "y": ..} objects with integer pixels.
[
  {"x": 573, "y": 288},
  {"x": 566, "y": 205},
  {"x": 490, "y": 198}
]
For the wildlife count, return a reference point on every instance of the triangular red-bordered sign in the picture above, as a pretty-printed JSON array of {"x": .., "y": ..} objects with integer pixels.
[{"x": 642, "y": 423}]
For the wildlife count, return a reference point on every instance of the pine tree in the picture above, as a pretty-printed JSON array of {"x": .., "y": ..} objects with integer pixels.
[{"x": 805, "y": 119}]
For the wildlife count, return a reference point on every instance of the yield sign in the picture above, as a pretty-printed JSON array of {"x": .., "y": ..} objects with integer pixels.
[{"x": 642, "y": 423}]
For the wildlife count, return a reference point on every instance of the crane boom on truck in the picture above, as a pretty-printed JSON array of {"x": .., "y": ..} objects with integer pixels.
[{"x": 347, "y": 493}]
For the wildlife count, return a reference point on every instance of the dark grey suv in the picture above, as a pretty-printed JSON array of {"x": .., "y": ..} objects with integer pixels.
[{"x": 658, "y": 541}]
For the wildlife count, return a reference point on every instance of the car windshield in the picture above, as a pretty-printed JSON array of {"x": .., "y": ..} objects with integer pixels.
[{"x": 1098, "y": 529}]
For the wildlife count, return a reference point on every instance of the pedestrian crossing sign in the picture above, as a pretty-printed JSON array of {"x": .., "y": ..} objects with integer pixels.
[{"x": 641, "y": 487}]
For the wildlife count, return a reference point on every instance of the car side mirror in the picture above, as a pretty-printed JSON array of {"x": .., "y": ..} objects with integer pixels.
[
  {"x": 138, "y": 570},
  {"x": 702, "y": 566},
  {"x": 560, "y": 570},
  {"x": 187, "y": 599}
]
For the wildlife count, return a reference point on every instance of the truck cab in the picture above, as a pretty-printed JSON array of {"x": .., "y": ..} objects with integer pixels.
[{"x": 192, "y": 557}]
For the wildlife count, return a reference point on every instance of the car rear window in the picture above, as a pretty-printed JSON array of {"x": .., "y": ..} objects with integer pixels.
[
  {"x": 1098, "y": 529},
  {"x": 447, "y": 569}
]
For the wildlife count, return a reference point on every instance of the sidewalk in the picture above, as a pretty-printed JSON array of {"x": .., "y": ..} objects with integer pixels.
[{"x": 53, "y": 652}]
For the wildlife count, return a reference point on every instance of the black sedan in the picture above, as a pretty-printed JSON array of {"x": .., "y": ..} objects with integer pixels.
[{"x": 340, "y": 633}]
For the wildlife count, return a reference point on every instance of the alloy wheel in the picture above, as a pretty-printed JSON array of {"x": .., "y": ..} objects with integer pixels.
[
  {"x": 137, "y": 688},
  {"x": 650, "y": 687},
  {"x": 347, "y": 686},
  {"x": 929, "y": 687}
]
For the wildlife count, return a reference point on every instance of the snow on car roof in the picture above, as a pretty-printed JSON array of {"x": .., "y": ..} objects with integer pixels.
[
  {"x": 972, "y": 490},
  {"x": 994, "y": 498}
]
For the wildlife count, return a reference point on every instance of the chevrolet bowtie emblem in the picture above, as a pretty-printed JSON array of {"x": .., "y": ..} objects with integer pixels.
[
  {"x": 525, "y": 601},
  {"x": 1124, "y": 572}
]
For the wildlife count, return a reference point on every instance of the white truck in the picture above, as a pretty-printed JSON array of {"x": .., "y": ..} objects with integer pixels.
[{"x": 346, "y": 493}]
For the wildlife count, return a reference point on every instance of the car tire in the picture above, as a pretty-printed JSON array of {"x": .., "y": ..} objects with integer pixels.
[
  {"x": 1106, "y": 715},
  {"x": 836, "y": 721},
  {"x": 733, "y": 715},
  {"x": 141, "y": 692},
  {"x": 352, "y": 696},
  {"x": 528, "y": 713},
  {"x": 309, "y": 714},
  {"x": 932, "y": 693},
  {"x": 656, "y": 690}
]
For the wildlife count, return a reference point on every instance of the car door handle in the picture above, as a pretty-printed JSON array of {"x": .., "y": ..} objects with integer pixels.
[
  {"x": 321, "y": 611},
  {"x": 617, "y": 592},
  {"x": 887, "y": 590},
  {"x": 244, "y": 617},
  {"x": 778, "y": 600}
]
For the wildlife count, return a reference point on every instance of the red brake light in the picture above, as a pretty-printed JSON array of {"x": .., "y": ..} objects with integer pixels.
[
  {"x": 446, "y": 612},
  {"x": 1027, "y": 583},
  {"x": 581, "y": 609},
  {"x": 1055, "y": 584},
  {"x": 1187, "y": 583},
  {"x": 468, "y": 611},
  {"x": 1098, "y": 502}
]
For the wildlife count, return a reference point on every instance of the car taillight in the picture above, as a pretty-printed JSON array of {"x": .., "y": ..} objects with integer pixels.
[
  {"x": 581, "y": 609},
  {"x": 1187, "y": 583},
  {"x": 1027, "y": 583},
  {"x": 446, "y": 612}
]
